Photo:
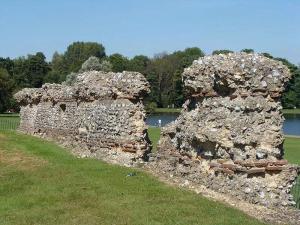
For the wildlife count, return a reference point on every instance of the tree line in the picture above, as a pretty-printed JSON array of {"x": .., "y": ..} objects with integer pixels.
[{"x": 163, "y": 71}]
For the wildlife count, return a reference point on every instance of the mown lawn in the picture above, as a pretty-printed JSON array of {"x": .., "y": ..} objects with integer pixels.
[
  {"x": 154, "y": 135},
  {"x": 291, "y": 111},
  {"x": 292, "y": 149},
  {"x": 167, "y": 110},
  {"x": 42, "y": 183},
  {"x": 292, "y": 154}
]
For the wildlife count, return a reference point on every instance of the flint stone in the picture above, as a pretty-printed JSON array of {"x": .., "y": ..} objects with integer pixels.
[
  {"x": 101, "y": 115},
  {"x": 233, "y": 114}
]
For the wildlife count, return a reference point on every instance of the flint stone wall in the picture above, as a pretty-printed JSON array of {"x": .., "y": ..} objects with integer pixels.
[
  {"x": 229, "y": 134},
  {"x": 101, "y": 115}
]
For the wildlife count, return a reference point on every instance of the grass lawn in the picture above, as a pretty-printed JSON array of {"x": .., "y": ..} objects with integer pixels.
[
  {"x": 291, "y": 111},
  {"x": 292, "y": 149},
  {"x": 167, "y": 110},
  {"x": 9, "y": 114},
  {"x": 154, "y": 135},
  {"x": 292, "y": 154},
  {"x": 42, "y": 183}
]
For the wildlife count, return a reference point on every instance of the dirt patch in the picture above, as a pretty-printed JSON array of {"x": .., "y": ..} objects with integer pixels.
[
  {"x": 2, "y": 137},
  {"x": 20, "y": 160}
]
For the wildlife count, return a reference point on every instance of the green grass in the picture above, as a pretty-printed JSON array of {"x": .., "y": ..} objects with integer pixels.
[
  {"x": 42, "y": 183},
  {"x": 154, "y": 135},
  {"x": 292, "y": 154},
  {"x": 291, "y": 111},
  {"x": 167, "y": 110},
  {"x": 292, "y": 149},
  {"x": 9, "y": 114}
]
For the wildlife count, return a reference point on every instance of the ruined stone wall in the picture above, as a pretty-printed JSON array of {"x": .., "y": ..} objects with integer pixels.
[
  {"x": 229, "y": 135},
  {"x": 101, "y": 115}
]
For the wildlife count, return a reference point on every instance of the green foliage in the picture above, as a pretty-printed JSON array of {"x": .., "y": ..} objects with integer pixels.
[
  {"x": 291, "y": 96},
  {"x": 42, "y": 183},
  {"x": 222, "y": 51},
  {"x": 106, "y": 66},
  {"x": 8, "y": 64},
  {"x": 268, "y": 55},
  {"x": 247, "y": 50},
  {"x": 59, "y": 68},
  {"x": 6, "y": 86},
  {"x": 53, "y": 77},
  {"x": 92, "y": 63},
  {"x": 119, "y": 62},
  {"x": 138, "y": 63},
  {"x": 70, "y": 79},
  {"x": 163, "y": 71},
  {"x": 30, "y": 71},
  {"x": 78, "y": 52},
  {"x": 150, "y": 107},
  {"x": 164, "y": 75}
]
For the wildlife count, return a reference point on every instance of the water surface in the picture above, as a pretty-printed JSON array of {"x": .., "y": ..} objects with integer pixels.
[{"x": 291, "y": 124}]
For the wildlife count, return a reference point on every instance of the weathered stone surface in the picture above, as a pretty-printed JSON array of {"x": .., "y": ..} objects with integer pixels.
[
  {"x": 101, "y": 115},
  {"x": 231, "y": 129}
]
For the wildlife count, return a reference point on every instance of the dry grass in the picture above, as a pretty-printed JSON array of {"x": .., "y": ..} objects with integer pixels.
[
  {"x": 16, "y": 158},
  {"x": 2, "y": 137},
  {"x": 19, "y": 160}
]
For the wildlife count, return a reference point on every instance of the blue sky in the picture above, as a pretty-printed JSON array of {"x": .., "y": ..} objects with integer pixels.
[{"x": 133, "y": 27}]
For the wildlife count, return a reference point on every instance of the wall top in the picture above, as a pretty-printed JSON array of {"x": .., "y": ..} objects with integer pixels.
[
  {"x": 89, "y": 86},
  {"x": 236, "y": 74}
]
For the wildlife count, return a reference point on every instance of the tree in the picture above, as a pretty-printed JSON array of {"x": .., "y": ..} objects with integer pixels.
[
  {"x": 164, "y": 75},
  {"x": 222, "y": 51},
  {"x": 6, "y": 87},
  {"x": 53, "y": 77},
  {"x": 70, "y": 79},
  {"x": 267, "y": 55},
  {"x": 37, "y": 69},
  {"x": 119, "y": 62},
  {"x": 247, "y": 50},
  {"x": 8, "y": 64},
  {"x": 30, "y": 71},
  {"x": 105, "y": 66},
  {"x": 78, "y": 52},
  {"x": 59, "y": 68},
  {"x": 138, "y": 63},
  {"x": 291, "y": 95},
  {"x": 91, "y": 63}
]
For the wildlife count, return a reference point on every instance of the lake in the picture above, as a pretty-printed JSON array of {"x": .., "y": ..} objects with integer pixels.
[{"x": 291, "y": 124}]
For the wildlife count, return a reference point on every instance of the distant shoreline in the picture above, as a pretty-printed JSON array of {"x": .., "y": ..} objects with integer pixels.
[
  {"x": 291, "y": 136},
  {"x": 291, "y": 111}
]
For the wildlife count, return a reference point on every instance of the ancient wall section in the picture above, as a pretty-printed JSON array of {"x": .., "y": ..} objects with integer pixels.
[
  {"x": 229, "y": 135},
  {"x": 101, "y": 115}
]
